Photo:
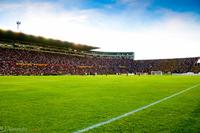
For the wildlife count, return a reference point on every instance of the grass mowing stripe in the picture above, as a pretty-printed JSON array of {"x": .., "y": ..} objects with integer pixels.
[{"x": 134, "y": 111}]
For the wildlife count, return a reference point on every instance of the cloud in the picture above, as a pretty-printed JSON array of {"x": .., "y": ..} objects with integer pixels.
[{"x": 172, "y": 35}]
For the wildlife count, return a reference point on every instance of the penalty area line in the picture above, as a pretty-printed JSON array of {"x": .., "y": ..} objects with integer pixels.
[{"x": 134, "y": 111}]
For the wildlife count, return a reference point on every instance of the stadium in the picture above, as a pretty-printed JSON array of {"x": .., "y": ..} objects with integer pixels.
[
  {"x": 23, "y": 54},
  {"x": 50, "y": 85}
]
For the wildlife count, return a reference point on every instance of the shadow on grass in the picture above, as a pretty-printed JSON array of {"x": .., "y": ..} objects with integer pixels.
[{"x": 191, "y": 124}]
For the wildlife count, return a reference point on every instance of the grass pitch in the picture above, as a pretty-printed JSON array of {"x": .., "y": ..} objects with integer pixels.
[{"x": 70, "y": 103}]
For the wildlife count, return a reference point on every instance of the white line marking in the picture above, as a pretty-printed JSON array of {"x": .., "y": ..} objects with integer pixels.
[{"x": 134, "y": 111}]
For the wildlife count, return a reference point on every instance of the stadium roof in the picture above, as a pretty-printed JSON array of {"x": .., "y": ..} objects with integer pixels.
[{"x": 18, "y": 37}]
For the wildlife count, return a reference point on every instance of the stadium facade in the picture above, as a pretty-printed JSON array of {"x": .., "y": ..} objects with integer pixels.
[{"x": 22, "y": 54}]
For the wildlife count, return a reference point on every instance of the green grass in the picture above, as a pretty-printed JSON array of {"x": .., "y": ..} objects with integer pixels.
[{"x": 62, "y": 104}]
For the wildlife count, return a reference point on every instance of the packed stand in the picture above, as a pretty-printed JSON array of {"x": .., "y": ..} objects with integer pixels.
[
  {"x": 26, "y": 62},
  {"x": 179, "y": 65}
]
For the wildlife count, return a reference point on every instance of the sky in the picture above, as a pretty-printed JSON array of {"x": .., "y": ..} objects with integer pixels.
[{"x": 153, "y": 29}]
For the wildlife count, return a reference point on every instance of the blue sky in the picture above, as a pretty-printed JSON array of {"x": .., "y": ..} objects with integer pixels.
[{"x": 150, "y": 28}]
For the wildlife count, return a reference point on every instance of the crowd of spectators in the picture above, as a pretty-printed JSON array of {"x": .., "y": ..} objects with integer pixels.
[
  {"x": 26, "y": 62},
  {"x": 179, "y": 65}
]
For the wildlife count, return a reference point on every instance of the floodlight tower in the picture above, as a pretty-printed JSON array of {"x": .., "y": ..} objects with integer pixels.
[{"x": 18, "y": 23}]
